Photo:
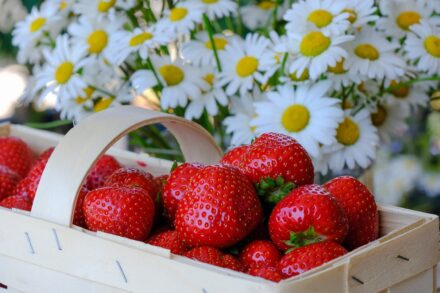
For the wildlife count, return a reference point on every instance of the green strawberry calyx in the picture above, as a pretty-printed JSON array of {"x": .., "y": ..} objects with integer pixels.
[
  {"x": 298, "y": 239},
  {"x": 274, "y": 190}
]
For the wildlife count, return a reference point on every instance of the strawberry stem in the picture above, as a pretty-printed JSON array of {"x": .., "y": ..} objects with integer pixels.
[
  {"x": 298, "y": 239},
  {"x": 274, "y": 190}
]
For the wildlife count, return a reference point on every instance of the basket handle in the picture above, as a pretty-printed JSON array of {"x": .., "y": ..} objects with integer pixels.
[{"x": 84, "y": 144}]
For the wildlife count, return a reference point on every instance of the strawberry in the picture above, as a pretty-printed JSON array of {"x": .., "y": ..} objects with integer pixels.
[
  {"x": 206, "y": 254},
  {"x": 232, "y": 263},
  {"x": 259, "y": 254},
  {"x": 235, "y": 156},
  {"x": 308, "y": 257},
  {"x": 216, "y": 257},
  {"x": 161, "y": 181},
  {"x": 27, "y": 187},
  {"x": 78, "y": 216},
  {"x": 220, "y": 208},
  {"x": 16, "y": 202},
  {"x": 360, "y": 207},
  {"x": 99, "y": 173},
  {"x": 124, "y": 211},
  {"x": 268, "y": 273},
  {"x": 8, "y": 180},
  {"x": 176, "y": 186},
  {"x": 168, "y": 239},
  {"x": 276, "y": 163},
  {"x": 133, "y": 177},
  {"x": 306, "y": 215},
  {"x": 16, "y": 155}
]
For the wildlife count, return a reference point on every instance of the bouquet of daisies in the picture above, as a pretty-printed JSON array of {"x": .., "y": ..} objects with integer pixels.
[{"x": 340, "y": 76}]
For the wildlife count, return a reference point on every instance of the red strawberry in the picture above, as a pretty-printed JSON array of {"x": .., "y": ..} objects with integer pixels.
[
  {"x": 124, "y": 211},
  {"x": 360, "y": 207},
  {"x": 27, "y": 187},
  {"x": 161, "y": 181},
  {"x": 176, "y": 186},
  {"x": 99, "y": 173},
  {"x": 308, "y": 257},
  {"x": 78, "y": 216},
  {"x": 169, "y": 240},
  {"x": 232, "y": 263},
  {"x": 16, "y": 202},
  {"x": 206, "y": 254},
  {"x": 276, "y": 163},
  {"x": 235, "y": 156},
  {"x": 16, "y": 155},
  {"x": 219, "y": 209},
  {"x": 135, "y": 178},
  {"x": 308, "y": 214},
  {"x": 268, "y": 273},
  {"x": 8, "y": 180},
  {"x": 259, "y": 254}
]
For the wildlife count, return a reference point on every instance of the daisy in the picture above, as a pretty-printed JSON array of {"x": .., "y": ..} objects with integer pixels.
[
  {"x": 390, "y": 119},
  {"x": 317, "y": 51},
  {"x": 361, "y": 12},
  {"x": 307, "y": 114},
  {"x": 424, "y": 47},
  {"x": 433, "y": 5},
  {"x": 326, "y": 16},
  {"x": 142, "y": 41},
  {"x": 372, "y": 55},
  {"x": 200, "y": 51},
  {"x": 98, "y": 9},
  {"x": 409, "y": 96},
  {"x": 341, "y": 76},
  {"x": 29, "y": 33},
  {"x": 64, "y": 7},
  {"x": 430, "y": 183},
  {"x": 143, "y": 80},
  {"x": 356, "y": 143},
  {"x": 243, "y": 111},
  {"x": 217, "y": 8},
  {"x": 401, "y": 15},
  {"x": 182, "y": 18},
  {"x": 60, "y": 74},
  {"x": 208, "y": 99},
  {"x": 247, "y": 61},
  {"x": 94, "y": 35},
  {"x": 257, "y": 16}
]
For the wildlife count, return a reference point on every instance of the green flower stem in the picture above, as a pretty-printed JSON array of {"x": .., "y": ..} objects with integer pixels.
[
  {"x": 204, "y": 121},
  {"x": 49, "y": 125},
  {"x": 151, "y": 66},
  {"x": 283, "y": 64},
  {"x": 211, "y": 39},
  {"x": 157, "y": 135},
  {"x": 170, "y": 4},
  {"x": 110, "y": 95}
]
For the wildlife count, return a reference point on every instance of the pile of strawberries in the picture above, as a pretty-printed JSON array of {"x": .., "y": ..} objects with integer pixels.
[{"x": 256, "y": 212}]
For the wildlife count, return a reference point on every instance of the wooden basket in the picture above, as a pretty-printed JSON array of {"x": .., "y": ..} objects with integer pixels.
[{"x": 42, "y": 251}]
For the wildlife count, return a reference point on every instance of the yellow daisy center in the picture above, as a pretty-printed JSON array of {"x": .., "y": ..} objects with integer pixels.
[
  {"x": 97, "y": 41},
  {"x": 104, "y": 6},
  {"x": 103, "y": 104},
  {"x": 346, "y": 104},
  {"x": 88, "y": 91},
  {"x": 352, "y": 15},
  {"x": 209, "y": 78},
  {"x": 407, "y": 18},
  {"x": 432, "y": 45},
  {"x": 379, "y": 117},
  {"x": 247, "y": 66},
  {"x": 314, "y": 44},
  {"x": 320, "y": 17},
  {"x": 367, "y": 51},
  {"x": 219, "y": 43},
  {"x": 338, "y": 68},
  {"x": 140, "y": 39},
  {"x": 37, "y": 24},
  {"x": 304, "y": 76},
  {"x": 361, "y": 87},
  {"x": 64, "y": 72},
  {"x": 63, "y": 5},
  {"x": 399, "y": 90},
  {"x": 347, "y": 132},
  {"x": 266, "y": 5},
  {"x": 172, "y": 74},
  {"x": 209, "y": 1},
  {"x": 178, "y": 14},
  {"x": 295, "y": 118}
]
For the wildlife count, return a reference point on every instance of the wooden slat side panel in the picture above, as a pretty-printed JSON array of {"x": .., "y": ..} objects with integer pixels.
[
  {"x": 5, "y": 129},
  {"x": 380, "y": 268},
  {"x": 421, "y": 283}
]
